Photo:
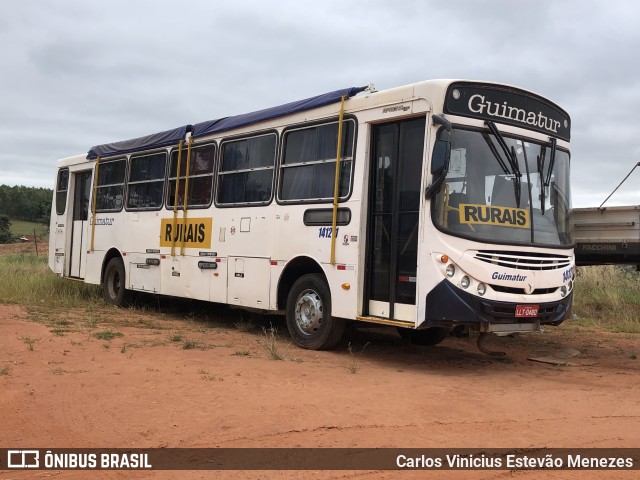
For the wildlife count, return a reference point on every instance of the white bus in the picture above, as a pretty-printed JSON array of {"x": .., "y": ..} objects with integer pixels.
[{"x": 429, "y": 206}]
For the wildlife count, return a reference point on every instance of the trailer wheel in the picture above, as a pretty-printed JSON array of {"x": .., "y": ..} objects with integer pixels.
[
  {"x": 114, "y": 283},
  {"x": 308, "y": 314},
  {"x": 429, "y": 337}
]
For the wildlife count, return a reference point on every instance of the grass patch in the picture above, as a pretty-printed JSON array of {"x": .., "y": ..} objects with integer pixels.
[
  {"x": 269, "y": 343},
  {"x": 244, "y": 324},
  {"x": 21, "y": 228},
  {"x": 107, "y": 335},
  {"x": 243, "y": 353},
  {"x": 6, "y": 371},
  {"x": 354, "y": 364},
  {"x": 190, "y": 345},
  {"x": 61, "y": 371},
  {"x": 27, "y": 280},
  {"x": 608, "y": 295},
  {"x": 29, "y": 342},
  {"x": 60, "y": 331},
  {"x": 204, "y": 374}
]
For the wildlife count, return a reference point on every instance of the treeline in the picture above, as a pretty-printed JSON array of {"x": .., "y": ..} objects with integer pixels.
[{"x": 26, "y": 203}]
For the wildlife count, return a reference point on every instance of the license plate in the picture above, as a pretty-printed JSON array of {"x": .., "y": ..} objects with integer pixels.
[{"x": 527, "y": 310}]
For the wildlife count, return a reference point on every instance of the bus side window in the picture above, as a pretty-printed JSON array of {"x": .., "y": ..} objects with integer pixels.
[
  {"x": 110, "y": 188},
  {"x": 200, "y": 177},
  {"x": 246, "y": 170},
  {"x": 62, "y": 186},
  {"x": 146, "y": 181},
  {"x": 309, "y": 162}
]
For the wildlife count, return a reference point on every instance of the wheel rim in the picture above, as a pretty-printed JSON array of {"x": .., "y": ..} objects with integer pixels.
[
  {"x": 114, "y": 283},
  {"x": 308, "y": 312}
]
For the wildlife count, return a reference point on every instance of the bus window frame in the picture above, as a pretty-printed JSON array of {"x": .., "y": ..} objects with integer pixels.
[
  {"x": 316, "y": 123},
  {"x": 128, "y": 178},
  {"x": 276, "y": 154},
  {"x": 185, "y": 150},
  {"x": 95, "y": 190},
  {"x": 66, "y": 191}
]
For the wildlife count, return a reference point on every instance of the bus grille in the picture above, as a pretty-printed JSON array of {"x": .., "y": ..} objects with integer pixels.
[
  {"x": 523, "y": 260},
  {"x": 520, "y": 291}
]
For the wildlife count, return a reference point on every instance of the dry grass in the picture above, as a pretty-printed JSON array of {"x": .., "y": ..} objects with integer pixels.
[
  {"x": 27, "y": 280},
  {"x": 269, "y": 342},
  {"x": 604, "y": 295},
  {"x": 608, "y": 295}
]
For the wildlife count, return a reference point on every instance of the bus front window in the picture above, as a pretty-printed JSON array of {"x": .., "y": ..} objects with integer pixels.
[{"x": 490, "y": 197}]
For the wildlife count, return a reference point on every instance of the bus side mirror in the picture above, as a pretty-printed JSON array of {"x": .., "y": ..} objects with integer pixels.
[{"x": 439, "y": 165}]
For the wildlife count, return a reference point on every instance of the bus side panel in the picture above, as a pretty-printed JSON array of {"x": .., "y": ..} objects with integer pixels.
[
  {"x": 109, "y": 230},
  {"x": 143, "y": 274},
  {"x": 218, "y": 283},
  {"x": 57, "y": 227},
  {"x": 180, "y": 276},
  {"x": 295, "y": 239},
  {"x": 344, "y": 294},
  {"x": 249, "y": 280}
]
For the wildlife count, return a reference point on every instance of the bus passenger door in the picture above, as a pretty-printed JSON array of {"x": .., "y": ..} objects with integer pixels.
[
  {"x": 393, "y": 217},
  {"x": 79, "y": 226}
]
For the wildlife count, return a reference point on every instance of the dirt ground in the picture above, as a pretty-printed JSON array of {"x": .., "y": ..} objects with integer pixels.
[{"x": 171, "y": 381}]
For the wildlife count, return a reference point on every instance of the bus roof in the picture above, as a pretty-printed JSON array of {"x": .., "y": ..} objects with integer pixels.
[
  {"x": 155, "y": 140},
  {"x": 172, "y": 137},
  {"x": 228, "y": 123}
]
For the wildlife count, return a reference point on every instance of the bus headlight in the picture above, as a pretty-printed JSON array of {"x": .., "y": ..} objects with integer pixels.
[
  {"x": 451, "y": 270},
  {"x": 563, "y": 291},
  {"x": 464, "y": 282},
  {"x": 482, "y": 289}
]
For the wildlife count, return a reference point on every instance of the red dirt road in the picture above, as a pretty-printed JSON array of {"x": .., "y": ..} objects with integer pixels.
[{"x": 148, "y": 388}]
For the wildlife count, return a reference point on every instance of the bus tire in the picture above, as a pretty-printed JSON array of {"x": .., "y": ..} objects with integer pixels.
[
  {"x": 429, "y": 337},
  {"x": 114, "y": 283},
  {"x": 308, "y": 314}
]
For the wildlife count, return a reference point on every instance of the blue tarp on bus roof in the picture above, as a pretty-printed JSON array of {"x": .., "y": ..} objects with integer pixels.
[
  {"x": 155, "y": 140},
  {"x": 223, "y": 124},
  {"x": 172, "y": 137}
]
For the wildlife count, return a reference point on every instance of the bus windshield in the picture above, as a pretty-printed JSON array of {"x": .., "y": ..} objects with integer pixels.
[{"x": 513, "y": 195}]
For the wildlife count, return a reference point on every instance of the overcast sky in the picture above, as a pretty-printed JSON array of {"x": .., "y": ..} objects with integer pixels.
[{"x": 80, "y": 73}]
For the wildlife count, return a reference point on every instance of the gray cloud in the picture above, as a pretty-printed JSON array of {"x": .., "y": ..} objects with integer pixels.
[{"x": 82, "y": 73}]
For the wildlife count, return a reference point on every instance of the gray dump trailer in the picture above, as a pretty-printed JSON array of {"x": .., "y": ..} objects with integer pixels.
[{"x": 609, "y": 235}]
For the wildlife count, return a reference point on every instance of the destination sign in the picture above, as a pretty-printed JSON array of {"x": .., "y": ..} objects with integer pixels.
[
  {"x": 509, "y": 106},
  {"x": 194, "y": 233},
  {"x": 472, "y": 214}
]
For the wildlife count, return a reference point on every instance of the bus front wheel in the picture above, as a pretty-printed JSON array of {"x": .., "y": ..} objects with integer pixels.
[
  {"x": 114, "y": 283},
  {"x": 308, "y": 314}
]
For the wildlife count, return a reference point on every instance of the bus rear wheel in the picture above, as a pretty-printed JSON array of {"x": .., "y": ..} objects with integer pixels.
[
  {"x": 114, "y": 283},
  {"x": 308, "y": 314}
]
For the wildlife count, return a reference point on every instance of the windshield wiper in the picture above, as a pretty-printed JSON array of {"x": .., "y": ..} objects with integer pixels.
[
  {"x": 496, "y": 155},
  {"x": 546, "y": 179},
  {"x": 552, "y": 161},
  {"x": 511, "y": 157}
]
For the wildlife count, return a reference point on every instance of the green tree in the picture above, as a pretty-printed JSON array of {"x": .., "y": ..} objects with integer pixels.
[
  {"x": 5, "y": 229},
  {"x": 26, "y": 203}
]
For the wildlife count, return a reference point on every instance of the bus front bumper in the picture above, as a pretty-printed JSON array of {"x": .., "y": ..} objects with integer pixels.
[{"x": 448, "y": 306}]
